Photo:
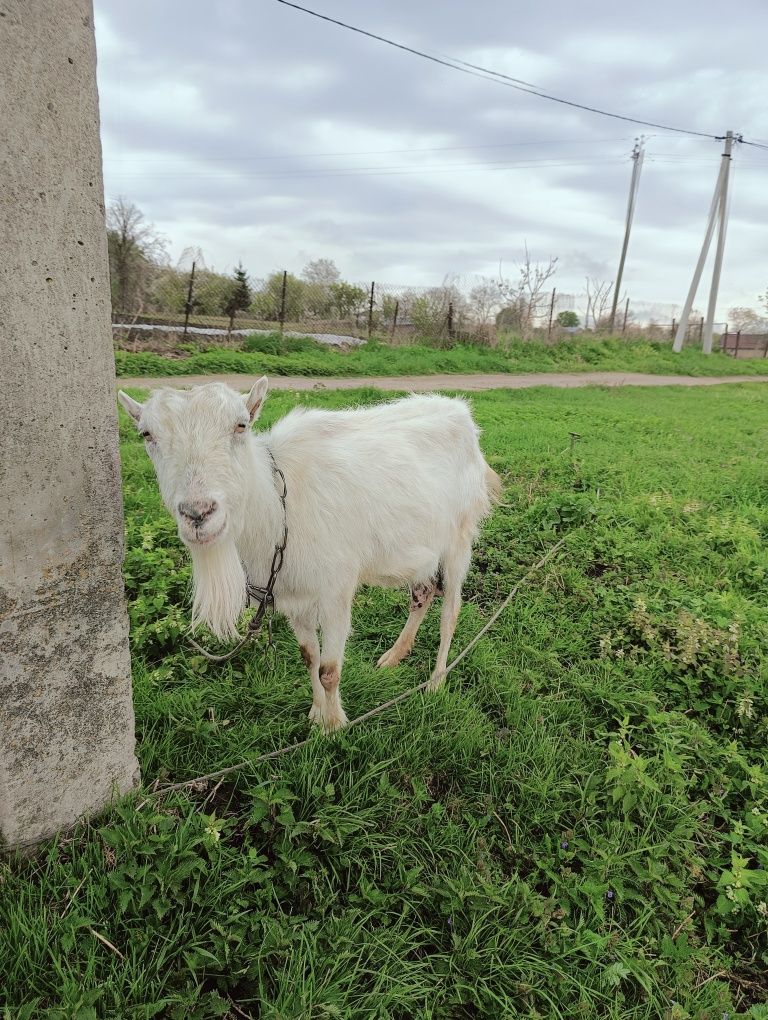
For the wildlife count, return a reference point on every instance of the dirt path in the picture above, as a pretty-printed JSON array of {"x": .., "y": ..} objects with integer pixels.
[{"x": 422, "y": 383}]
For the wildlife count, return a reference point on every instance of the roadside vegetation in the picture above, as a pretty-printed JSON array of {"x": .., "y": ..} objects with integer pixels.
[
  {"x": 277, "y": 355},
  {"x": 574, "y": 828}
]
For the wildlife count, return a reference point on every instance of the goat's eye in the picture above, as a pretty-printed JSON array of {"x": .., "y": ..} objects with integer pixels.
[
  {"x": 147, "y": 437},
  {"x": 240, "y": 428}
]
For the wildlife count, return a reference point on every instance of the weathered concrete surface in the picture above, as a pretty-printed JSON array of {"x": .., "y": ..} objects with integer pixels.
[{"x": 66, "y": 717}]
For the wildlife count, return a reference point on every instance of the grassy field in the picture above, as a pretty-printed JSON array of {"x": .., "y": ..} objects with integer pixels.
[
  {"x": 574, "y": 828},
  {"x": 278, "y": 355}
]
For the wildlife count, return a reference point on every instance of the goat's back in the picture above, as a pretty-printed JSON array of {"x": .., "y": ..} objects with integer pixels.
[{"x": 386, "y": 488}]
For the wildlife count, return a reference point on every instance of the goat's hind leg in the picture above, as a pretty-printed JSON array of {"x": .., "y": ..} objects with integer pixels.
[
  {"x": 455, "y": 566},
  {"x": 422, "y": 596},
  {"x": 335, "y": 624}
]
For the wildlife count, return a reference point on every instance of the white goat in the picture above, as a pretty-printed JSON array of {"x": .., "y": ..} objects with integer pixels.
[{"x": 389, "y": 495}]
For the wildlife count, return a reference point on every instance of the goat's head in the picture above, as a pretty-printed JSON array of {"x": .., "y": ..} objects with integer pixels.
[{"x": 198, "y": 441}]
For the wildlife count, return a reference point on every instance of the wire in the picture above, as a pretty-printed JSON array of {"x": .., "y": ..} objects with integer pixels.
[
  {"x": 489, "y": 75},
  {"x": 382, "y": 152},
  {"x": 375, "y": 172}
]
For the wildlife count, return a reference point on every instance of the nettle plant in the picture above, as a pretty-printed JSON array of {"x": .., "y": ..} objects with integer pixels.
[{"x": 706, "y": 669}]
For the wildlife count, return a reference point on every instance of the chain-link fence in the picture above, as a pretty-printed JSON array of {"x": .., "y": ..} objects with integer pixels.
[{"x": 175, "y": 305}]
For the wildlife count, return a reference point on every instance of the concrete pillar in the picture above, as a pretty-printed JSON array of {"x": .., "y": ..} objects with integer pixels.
[{"x": 66, "y": 716}]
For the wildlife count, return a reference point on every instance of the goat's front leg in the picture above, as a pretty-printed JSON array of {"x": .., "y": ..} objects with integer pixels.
[
  {"x": 306, "y": 635},
  {"x": 335, "y": 623}
]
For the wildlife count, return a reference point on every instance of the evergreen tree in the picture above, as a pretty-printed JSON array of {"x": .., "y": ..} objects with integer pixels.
[{"x": 239, "y": 295}]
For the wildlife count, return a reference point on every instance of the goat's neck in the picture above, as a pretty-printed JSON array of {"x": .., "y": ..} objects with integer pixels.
[{"x": 262, "y": 514}]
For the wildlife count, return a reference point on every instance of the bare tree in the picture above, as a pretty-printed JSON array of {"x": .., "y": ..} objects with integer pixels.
[
  {"x": 525, "y": 295},
  {"x": 745, "y": 319},
  {"x": 135, "y": 248},
  {"x": 484, "y": 300},
  {"x": 192, "y": 253},
  {"x": 599, "y": 294}
]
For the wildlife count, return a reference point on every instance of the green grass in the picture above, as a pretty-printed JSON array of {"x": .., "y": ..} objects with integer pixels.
[
  {"x": 283, "y": 356},
  {"x": 574, "y": 828}
]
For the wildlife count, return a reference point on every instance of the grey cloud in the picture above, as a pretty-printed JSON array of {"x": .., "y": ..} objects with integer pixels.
[{"x": 192, "y": 94}]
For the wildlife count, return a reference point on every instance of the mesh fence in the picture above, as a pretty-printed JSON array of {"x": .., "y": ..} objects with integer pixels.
[{"x": 464, "y": 308}]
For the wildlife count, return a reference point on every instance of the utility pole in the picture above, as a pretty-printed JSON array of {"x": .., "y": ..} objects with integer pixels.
[
  {"x": 637, "y": 162},
  {"x": 718, "y": 214},
  {"x": 706, "y": 344},
  {"x": 66, "y": 717}
]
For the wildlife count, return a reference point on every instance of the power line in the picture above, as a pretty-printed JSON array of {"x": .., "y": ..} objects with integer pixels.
[
  {"x": 497, "y": 76},
  {"x": 372, "y": 171},
  {"x": 379, "y": 152}
]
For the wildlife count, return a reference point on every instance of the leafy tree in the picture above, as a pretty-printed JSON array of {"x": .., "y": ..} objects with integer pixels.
[
  {"x": 319, "y": 276},
  {"x": 323, "y": 272},
  {"x": 266, "y": 302},
  {"x": 429, "y": 311},
  {"x": 168, "y": 292},
  {"x": 238, "y": 296},
  {"x": 346, "y": 299},
  {"x": 568, "y": 319}
]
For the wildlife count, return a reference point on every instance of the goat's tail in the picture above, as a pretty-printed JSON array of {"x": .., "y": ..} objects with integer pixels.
[{"x": 493, "y": 485}]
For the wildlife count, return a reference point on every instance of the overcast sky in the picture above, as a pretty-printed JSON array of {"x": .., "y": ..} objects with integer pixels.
[{"x": 259, "y": 133}]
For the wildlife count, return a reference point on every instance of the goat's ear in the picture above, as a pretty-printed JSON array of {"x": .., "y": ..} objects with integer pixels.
[
  {"x": 133, "y": 407},
  {"x": 255, "y": 398}
]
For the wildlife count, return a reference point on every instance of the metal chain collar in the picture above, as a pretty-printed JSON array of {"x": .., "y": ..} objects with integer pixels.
[{"x": 265, "y": 597}]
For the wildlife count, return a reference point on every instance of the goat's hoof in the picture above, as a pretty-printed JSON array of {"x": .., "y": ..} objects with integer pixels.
[
  {"x": 331, "y": 723},
  {"x": 436, "y": 681},
  {"x": 327, "y": 721},
  {"x": 391, "y": 658}
]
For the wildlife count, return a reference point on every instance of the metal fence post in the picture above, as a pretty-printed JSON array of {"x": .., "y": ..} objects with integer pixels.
[
  {"x": 189, "y": 304},
  {"x": 370, "y": 309},
  {"x": 282, "y": 300},
  {"x": 738, "y": 341},
  {"x": 701, "y": 329},
  {"x": 673, "y": 329},
  {"x": 394, "y": 317},
  {"x": 626, "y": 313},
  {"x": 450, "y": 320},
  {"x": 551, "y": 314}
]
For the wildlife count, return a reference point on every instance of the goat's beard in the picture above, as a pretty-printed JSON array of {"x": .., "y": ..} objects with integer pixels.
[{"x": 219, "y": 587}]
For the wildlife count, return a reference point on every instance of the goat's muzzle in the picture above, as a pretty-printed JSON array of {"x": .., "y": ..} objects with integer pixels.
[
  {"x": 198, "y": 521},
  {"x": 197, "y": 510}
]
